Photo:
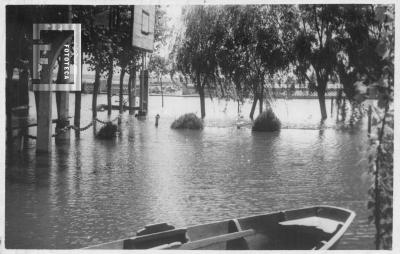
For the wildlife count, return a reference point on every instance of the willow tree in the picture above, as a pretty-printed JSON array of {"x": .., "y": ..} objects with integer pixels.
[
  {"x": 359, "y": 37},
  {"x": 256, "y": 45},
  {"x": 196, "y": 54},
  {"x": 316, "y": 47},
  {"x": 248, "y": 26}
]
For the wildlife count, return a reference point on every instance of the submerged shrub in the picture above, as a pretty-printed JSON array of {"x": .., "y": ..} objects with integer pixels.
[
  {"x": 267, "y": 121},
  {"x": 188, "y": 121},
  {"x": 108, "y": 131}
]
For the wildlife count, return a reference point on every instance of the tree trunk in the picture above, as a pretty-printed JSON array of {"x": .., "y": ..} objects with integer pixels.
[
  {"x": 95, "y": 92},
  {"x": 322, "y": 106},
  {"x": 109, "y": 86},
  {"x": 77, "y": 115},
  {"x": 202, "y": 102},
  {"x": 200, "y": 87},
  {"x": 121, "y": 87},
  {"x": 132, "y": 84},
  {"x": 343, "y": 109},
  {"x": 253, "y": 106},
  {"x": 261, "y": 97}
]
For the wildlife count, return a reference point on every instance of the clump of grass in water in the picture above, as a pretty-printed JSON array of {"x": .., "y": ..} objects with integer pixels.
[
  {"x": 108, "y": 131},
  {"x": 267, "y": 121},
  {"x": 188, "y": 121}
]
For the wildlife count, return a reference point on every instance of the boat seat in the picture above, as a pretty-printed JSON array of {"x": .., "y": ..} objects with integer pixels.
[
  {"x": 202, "y": 243},
  {"x": 156, "y": 239},
  {"x": 154, "y": 228},
  {"x": 239, "y": 243}
]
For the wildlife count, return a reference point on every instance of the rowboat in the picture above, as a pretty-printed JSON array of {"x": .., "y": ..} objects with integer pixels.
[{"x": 311, "y": 228}]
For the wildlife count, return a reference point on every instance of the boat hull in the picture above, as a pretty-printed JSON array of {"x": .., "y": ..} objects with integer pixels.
[{"x": 317, "y": 228}]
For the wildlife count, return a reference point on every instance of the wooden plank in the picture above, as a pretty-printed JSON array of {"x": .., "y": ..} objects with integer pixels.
[
  {"x": 212, "y": 240},
  {"x": 167, "y": 246}
]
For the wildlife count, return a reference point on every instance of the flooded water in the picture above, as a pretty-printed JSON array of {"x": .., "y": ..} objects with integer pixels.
[{"x": 92, "y": 191}]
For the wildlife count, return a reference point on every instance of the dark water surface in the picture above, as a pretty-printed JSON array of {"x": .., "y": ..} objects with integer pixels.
[{"x": 92, "y": 191}]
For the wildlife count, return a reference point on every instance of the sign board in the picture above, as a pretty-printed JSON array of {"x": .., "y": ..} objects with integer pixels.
[
  {"x": 56, "y": 57},
  {"x": 143, "y": 27}
]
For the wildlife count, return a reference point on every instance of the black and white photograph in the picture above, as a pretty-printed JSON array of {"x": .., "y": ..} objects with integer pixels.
[{"x": 198, "y": 125}]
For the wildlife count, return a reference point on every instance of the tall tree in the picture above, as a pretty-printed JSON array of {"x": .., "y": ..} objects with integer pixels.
[
  {"x": 123, "y": 52},
  {"x": 256, "y": 46},
  {"x": 358, "y": 37},
  {"x": 196, "y": 55},
  {"x": 316, "y": 47}
]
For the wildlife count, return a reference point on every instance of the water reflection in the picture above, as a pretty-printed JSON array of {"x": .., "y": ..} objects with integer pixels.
[{"x": 93, "y": 191}]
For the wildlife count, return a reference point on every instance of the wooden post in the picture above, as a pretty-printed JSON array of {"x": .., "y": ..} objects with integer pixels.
[
  {"x": 131, "y": 83},
  {"x": 144, "y": 87},
  {"x": 134, "y": 85},
  {"x": 141, "y": 80},
  {"x": 145, "y": 91},
  {"x": 331, "y": 106},
  {"x": 44, "y": 100},
  {"x": 44, "y": 129},
  {"x": 121, "y": 90},
  {"x": 43, "y": 83},
  {"x": 141, "y": 77}
]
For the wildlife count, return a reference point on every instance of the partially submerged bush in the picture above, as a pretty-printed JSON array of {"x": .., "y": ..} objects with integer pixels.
[
  {"x": 267, "y": 121},
  {"x": 188, "y": 121},
  {"x": 108, "y": 131}
]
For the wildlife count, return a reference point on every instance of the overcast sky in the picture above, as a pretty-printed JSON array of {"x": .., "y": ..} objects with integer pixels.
[{"x": 174, "y": 13}]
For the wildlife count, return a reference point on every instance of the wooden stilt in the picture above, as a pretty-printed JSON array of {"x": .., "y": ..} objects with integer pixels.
[{"x": 44, "y": 129}]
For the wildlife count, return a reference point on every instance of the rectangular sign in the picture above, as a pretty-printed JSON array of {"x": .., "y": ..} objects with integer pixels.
[
  {"x": 56, "y": 57},
  {"x": 143, "y": 27}
]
